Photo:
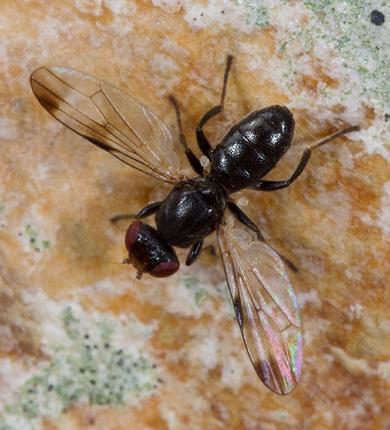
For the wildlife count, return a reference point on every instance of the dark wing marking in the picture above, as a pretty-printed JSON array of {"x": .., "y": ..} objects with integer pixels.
[
  {"x": 110, "y": 119},
  {"x": 266, "y": 307}
]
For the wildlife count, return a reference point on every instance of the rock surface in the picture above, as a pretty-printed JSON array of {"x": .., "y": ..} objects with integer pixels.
[{"x": 84, "y": 345}]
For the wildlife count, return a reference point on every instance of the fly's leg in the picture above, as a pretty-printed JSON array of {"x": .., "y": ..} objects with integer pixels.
[
  {"x": 148, "y": 210},
  {"x": 278, "y": 185},
  {"x": 203, "y": 142},
  {"x": 195, "y": 250},
  {"x": 193, "y": 160},
  {"x": 244, "y": 219}
]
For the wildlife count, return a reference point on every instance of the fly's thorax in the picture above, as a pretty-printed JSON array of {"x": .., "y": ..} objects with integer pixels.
[{"x": 191, "y": 211}]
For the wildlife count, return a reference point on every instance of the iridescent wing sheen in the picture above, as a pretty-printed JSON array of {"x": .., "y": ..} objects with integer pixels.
[
  {"x": 266, "y": 307},
  {"x": 110, "y": 119}
]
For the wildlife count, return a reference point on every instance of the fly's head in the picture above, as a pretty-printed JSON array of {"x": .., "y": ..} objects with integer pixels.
[{"x": 148, "y": 253}]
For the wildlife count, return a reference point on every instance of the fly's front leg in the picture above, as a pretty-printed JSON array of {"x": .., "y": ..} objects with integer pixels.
[
  {"x": 203, "y": 142},
  {"x": 244, "y": 219},
  {"x": 195, "y": 250},
  {"x": 278, "y": 185},
  {"x": 148, "y": 210}
]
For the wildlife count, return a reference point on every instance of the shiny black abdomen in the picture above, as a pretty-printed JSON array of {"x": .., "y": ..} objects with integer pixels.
[
  {"x": 191, "y": 211},
  {"x": 252, "y": 147}
]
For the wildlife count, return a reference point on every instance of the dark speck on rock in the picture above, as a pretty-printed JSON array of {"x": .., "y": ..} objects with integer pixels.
[{"x": 377, "y": 17}]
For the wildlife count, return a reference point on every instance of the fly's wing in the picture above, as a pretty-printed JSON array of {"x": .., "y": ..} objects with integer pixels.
[
  {"x": 266, "y": 307},
  {"x": 108, "y": 118}
]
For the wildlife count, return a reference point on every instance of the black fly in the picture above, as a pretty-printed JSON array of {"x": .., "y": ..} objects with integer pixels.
[{"x": 263, "y": 298}]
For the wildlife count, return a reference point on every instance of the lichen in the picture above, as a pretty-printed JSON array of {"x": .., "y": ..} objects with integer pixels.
[
  {"x": 91, "y": 369},
  {"x": 34, "y": 240},
  {"x": 257, "y": 12},
  {"x": 199, "y": 293},
  {"x": 365, "y": 47},
  {"x": 336, "y": 38}
]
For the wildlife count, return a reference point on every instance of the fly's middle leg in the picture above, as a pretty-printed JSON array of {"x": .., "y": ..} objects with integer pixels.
[
  {"x": 203, "y": 142},
  {"x": 193, "y": 160},
  {"x": 244, "y": 219}
]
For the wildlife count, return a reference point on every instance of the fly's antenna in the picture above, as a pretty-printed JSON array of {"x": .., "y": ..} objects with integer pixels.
[
  {"x": 134, "y": 281},
  {"x": 139, "y": 273}
]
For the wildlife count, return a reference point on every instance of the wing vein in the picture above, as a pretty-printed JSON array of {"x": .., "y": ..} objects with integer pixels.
[
  {"x": 263, "y": 300},
  {"x": 125, "y": 145},
  {"x": 121, "y": 117},
  {"x": 109, "y": 119},
  {"x": 93, "y": 131},
  {"x": 131, "y": 129}
]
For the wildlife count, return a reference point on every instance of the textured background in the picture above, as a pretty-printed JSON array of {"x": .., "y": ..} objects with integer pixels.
[{"x": 83, "y": 346}]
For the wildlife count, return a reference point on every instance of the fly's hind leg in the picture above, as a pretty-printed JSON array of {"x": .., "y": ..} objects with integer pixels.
[
  {"x": 244, "y": 219},
  {"x": 203, "y": 142},
  {"x": 265, "y": 185},
  {"x": 148, "y": 210}
]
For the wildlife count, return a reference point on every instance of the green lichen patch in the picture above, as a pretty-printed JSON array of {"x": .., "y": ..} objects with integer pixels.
[
  {"x": 2, "y": 207},
  {"x": 32, "y": 237},
  {"x": 192, "y": 284},
  {"x": 361, "y": 59},
  {"x": 88, "y": 367},
  {"x": 257, "y": 13},
  {"x": 365, "y": 47}
]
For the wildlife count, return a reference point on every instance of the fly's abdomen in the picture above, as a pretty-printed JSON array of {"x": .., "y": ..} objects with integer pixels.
[{"x": 252, "y": 147}]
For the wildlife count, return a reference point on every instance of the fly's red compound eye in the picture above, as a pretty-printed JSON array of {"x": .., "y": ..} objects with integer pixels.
[
  {"x": 164, "y": 269},
  {"x": 132, "y": 234}
]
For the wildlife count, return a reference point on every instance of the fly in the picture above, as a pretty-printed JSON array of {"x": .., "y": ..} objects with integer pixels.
[{"x": 264, "y": 301}]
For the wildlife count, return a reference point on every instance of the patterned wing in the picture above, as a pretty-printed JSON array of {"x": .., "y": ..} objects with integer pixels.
[
  {"x": 266, "y": 308},
  {"x": 110, "y": 119}
]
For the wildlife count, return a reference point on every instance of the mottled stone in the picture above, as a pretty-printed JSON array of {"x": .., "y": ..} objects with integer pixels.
[{"x": 84, "y": 345}]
